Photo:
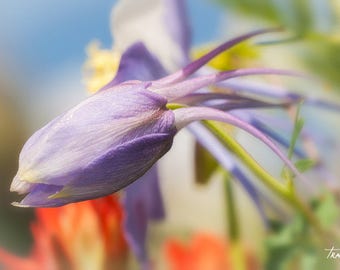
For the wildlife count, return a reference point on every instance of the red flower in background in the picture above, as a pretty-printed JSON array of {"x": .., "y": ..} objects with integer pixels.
[
  {"x": 86, "y": 235},
  {"x": 204, "y": 252}
]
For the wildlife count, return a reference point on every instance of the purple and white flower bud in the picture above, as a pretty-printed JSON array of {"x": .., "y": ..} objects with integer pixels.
[
  {"x": 114, "y": 137},
  {"x": 96, "y": 148}
]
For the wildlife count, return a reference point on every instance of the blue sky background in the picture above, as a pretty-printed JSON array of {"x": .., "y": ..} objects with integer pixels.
[
  {"x": 44, "y": 35},
  {"x": 42, "y": 47}
]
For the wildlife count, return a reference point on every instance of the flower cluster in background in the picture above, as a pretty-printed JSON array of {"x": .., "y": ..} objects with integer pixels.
[{"x": 259, "y": 141}]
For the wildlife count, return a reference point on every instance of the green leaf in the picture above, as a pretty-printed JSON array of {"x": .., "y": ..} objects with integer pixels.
[
  {"x": 205, "y": 164},
  {"x": 304, "y": 164},
  {"x": 327, "y": 211},
  {"x": 298, "y": 125}
]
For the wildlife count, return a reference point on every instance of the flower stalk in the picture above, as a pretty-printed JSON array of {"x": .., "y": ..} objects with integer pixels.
[
  {"x": 283, "y": 191},
  {"x": 234, "y": 228}
]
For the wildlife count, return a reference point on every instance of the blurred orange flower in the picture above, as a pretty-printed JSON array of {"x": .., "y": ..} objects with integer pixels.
[
  {"x": 204, "y": 252},
  {"x": 80, "y": 236}
]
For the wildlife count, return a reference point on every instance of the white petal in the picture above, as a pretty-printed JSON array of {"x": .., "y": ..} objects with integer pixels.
[{"x": 146, "y": 21}]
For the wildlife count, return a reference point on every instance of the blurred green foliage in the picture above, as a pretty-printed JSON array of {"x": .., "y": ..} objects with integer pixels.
[
  {"x": 321, "y": 53},
  {"x": 205, "y": 165},
  {"x": 299, "y": 16},
  {"x": 296, "y": 245},
  {"x": 314, "y": 26},
  {"x": 14, "y": 222}
]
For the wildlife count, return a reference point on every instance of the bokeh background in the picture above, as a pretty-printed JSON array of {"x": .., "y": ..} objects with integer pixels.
[{"x": 43, "y": 50}]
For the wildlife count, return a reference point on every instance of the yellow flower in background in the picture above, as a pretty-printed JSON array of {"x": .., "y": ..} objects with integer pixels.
[
  {"x": 241, "y": 55},
  {"x": 100, "y": 67}
]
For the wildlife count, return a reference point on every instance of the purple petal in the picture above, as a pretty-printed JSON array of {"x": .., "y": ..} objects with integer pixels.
[
  {"x": 137, "y": 63},
  {"x": 155, "y": 202},
  {"x": 264, "y": 90},
  {"x": 226, "y": 101},
  {"x": 142, "y": 201},
  {"x": 195, "y": 65},
  {"x": 242, "y": 104},
  {"x": 110, "y": 172},
  {"x": 187, "y": 87},
  {"x": 276, "y": 136},
  {"x": 185, "y": 116},
  {"x": 241, "y": 86},
  {"x": 196, "y": 98},
  {"x": 39, "y": 194},
  {"x": 323, "y": 104},
  {"x": 99, "y": 146},
  {"x": 99, "y": 123}
]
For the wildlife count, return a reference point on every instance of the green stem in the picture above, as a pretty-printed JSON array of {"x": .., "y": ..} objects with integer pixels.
[
  {"x": 233, "y": 146},
  {"x": 237, "y": 252},
  {"x": 284, "y": 192},
  {"x": 234, "y": 229}
]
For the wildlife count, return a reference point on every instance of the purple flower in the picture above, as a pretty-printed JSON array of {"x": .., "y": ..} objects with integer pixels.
[
  {"x": 142, "y": 199},
  {"x": 98, "y": 147},
  {"x": 142, "y": 202},
  {"x": 168, "y": 38},
  {"x": 113, "y": 138}
]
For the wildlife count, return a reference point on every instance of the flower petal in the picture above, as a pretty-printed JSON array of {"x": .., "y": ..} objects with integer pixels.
[
  {"x": 191, "y": 85},
  {"x": 142, "y": 201},
  {"x": 110, "y": 172},
  {"x": 159, "y": 24},
  {"x": 275, "y": 136},
  {"x": 197, "y": 64},
  {"x": 39, "y": 197},
  {"x": 137, "y": 63},
  {"x": 185, "y": 116},
  {"x": 105, "y": 120},
  {"x": 98, "y": 147}
]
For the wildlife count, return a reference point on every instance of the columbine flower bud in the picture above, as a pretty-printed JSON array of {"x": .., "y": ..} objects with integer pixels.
[
  {"x": 112, "y": 138},
  {"x": 98, "y": 147}
]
